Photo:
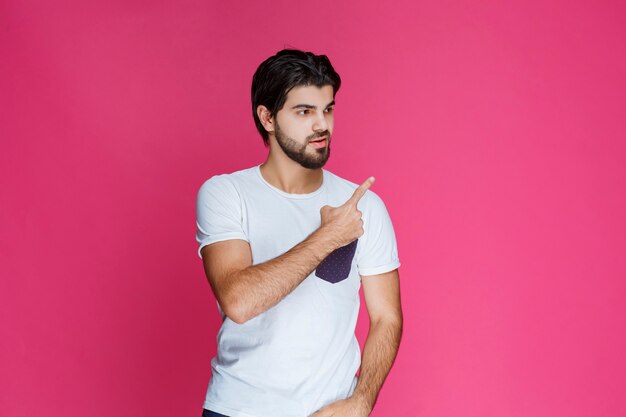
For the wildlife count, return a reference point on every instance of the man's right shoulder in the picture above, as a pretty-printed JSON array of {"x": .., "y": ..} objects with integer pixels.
[{"x": 226, "y": 182}]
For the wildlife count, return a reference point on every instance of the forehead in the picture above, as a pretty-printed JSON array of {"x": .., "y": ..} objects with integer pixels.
[{"x": 310, "y": 94}]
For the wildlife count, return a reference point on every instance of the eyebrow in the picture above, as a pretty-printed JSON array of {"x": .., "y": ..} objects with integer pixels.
[{"x": 309, "y": 106}]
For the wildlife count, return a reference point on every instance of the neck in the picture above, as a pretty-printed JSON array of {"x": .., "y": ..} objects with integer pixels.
[{"x": 289, "y": 176}]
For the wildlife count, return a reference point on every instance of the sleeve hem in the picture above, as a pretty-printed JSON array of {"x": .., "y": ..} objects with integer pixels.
[
  {"x": 221, "y": 238},
  {"x": 380, "y": 269}
]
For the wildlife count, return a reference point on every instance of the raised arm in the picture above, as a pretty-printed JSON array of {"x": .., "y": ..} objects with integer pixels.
[{"x": 244, "y": 290}]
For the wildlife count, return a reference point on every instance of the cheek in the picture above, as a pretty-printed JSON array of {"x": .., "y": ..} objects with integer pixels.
[
  {"x": 289, "y": 128},
  {"x": 297, "y": 127}
]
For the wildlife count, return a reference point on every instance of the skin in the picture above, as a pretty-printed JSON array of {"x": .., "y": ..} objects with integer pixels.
[
  {"x": 245, "y": 290},
  {"x": 294, "y": 128}
]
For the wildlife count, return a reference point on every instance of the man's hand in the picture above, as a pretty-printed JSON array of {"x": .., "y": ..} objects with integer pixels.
[
  {"x": 350, "y": 407},
  {"x": 343, "y": 224}
]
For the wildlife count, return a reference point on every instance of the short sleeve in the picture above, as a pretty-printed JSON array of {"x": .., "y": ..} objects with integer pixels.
[
  {"x": 378, "y": 252},
  {"x": 218, "y": 212}
]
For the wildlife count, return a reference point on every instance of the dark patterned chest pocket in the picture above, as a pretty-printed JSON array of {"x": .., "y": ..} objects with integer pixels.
[{"x": 336, "y": 266}]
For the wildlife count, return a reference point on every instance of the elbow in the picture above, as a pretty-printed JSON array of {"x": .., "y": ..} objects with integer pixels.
[
  {"x": 236, "y": 316},
  {"x": 235, "y": 311},
  {"x": 392, "y": 321},
  {"x": 231, "y": 303}
]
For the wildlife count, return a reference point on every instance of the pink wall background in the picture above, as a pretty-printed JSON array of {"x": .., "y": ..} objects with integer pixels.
[{"x": 496, "y": 131}]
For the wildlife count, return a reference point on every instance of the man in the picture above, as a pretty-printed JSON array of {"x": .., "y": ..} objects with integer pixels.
[{"x": 286, "y": 246}]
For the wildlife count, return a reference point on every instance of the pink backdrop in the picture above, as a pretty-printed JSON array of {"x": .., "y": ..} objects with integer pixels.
[{"x": 497, "y": 135}]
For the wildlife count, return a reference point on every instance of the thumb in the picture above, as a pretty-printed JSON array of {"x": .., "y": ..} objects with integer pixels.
[{"x": 325, "y": 208}]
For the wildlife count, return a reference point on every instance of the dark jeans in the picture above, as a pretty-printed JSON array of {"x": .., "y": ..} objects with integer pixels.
[{"x": 209, "y": 413}]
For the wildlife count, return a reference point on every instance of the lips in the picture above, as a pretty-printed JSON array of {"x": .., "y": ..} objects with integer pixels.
[
  {"x": 318, "y": 144},
  {"x": 319, "y": 139}
]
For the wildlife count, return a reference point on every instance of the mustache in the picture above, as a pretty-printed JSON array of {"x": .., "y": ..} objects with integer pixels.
[{"x": 321, "y": 135}]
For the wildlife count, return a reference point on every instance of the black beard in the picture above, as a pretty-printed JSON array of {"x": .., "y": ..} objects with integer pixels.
[{"x": 298, "y": 153}]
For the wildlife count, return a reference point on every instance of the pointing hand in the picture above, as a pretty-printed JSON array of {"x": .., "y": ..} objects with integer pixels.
[{"x": 344, "y": 224}]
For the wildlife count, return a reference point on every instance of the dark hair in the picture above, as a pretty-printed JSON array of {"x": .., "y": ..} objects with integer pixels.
[{"x": 278, "y": 74}]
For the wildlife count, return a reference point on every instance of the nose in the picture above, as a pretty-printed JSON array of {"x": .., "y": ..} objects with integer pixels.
[{"x": 320, "y": 123}]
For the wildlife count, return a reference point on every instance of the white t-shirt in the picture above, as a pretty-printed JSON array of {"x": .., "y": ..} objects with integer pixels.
[{"x": 302, "y": 353}]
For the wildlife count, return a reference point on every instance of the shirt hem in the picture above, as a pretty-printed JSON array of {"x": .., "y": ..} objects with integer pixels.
[
  {"x": 230, "y": 412},
  {"x": 380, "y": 269},
  {"x": 229, "y": 236}
]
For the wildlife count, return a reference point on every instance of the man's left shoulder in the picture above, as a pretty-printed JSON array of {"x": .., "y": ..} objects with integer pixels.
[{"x": 347, "y": 187}]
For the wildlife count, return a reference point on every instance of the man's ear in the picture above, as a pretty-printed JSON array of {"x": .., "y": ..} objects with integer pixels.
[{"x": 265, "y": 117}]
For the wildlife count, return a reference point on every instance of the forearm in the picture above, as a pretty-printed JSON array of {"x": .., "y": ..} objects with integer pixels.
[
  {"x": 259, "y": 287},
  {"x": 379, "y": 353}
]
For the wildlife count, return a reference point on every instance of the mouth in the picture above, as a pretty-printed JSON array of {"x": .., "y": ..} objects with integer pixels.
[{"x": 318, "y": 143}]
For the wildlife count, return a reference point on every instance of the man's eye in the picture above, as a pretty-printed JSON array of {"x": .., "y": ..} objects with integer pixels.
[
  {"x": 302, "y": 112},
  {"x": 330, "y": 109}
]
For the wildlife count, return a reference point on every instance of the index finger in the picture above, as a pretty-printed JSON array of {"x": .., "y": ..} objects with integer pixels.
[{"x": 360, "y": 191}]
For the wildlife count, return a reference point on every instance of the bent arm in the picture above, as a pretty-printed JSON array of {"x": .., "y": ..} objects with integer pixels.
[
  {"x": 244, "y": 290},
  {"x": 382, "y": 297}
]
